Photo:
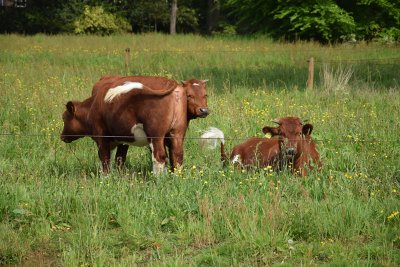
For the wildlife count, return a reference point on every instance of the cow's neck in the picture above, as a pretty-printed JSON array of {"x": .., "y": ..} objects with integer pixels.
[{"x": 179, "y": 108}]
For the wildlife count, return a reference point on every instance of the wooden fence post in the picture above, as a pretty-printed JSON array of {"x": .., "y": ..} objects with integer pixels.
[
  {"x": 127, "y": 60},
  {"x": 310, "y": 81}
]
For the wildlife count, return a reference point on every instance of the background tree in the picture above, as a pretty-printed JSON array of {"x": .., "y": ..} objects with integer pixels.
[
  {"x": 174, "y": 9},
  {"x": 292, "y": 19},
  {"x": 322, "y": 20},
  {"x": 374, "y": 18}
]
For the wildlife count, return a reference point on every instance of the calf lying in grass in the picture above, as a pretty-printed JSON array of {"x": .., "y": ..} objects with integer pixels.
[{"x": 291, "y": 145}]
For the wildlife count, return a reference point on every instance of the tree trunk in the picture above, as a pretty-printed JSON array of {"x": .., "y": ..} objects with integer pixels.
[
  {"x": 174, "y": 9},
  {"x": 213, "y": 8}
]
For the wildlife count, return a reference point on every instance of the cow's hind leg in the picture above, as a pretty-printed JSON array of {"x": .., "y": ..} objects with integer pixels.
[
  {"x": 158, "y": 155},
  {"x": 176, "y": 152},
  {"x": 120, "y": 156}
]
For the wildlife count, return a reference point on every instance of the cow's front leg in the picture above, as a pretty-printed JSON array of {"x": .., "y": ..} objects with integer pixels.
[
  {"x": 158, "y": 155},
  {"x": 176, "y": 152},
  {"x": 120, "y": 155},
  {"x": 104, "y": 155}
]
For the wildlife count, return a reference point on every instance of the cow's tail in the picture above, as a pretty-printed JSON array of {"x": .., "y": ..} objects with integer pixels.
[{"x": 210, "y": 139}]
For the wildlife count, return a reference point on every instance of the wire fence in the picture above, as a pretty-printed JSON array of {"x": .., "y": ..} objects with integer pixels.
[
  {"x": 266, "y": 50},
  {"x": 289, "y": 52},
  {"x": 348, "y": 140},
  {"x": 388, "y": 61},
  {"x": 385, "y": 61}
]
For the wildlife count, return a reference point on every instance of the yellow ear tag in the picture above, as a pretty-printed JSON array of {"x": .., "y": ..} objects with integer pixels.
[{"x": 268, "y": 135}]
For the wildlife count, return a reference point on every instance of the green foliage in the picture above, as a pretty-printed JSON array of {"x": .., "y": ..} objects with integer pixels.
[
  {"x": 321, "y": 20},
  {"x": 148, "y": 15},
  {"x": 252, "y": 15},
  {"x": 187, "y": 20},
  {"x": 389, "y": 35},
  {"x": 95, "y": 20},
  {"x": 328, "y": 21},
  {"x": 325, "y": 21},
  {"x": 376, "y": 19}
]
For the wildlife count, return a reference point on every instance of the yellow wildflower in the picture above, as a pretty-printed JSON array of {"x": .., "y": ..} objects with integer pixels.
[{"x": 394, "y": 214}]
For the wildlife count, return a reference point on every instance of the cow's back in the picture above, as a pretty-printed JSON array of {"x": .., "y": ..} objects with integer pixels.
[
  {"x": 259, "y": 152},
  {"x": 154, "y": 113},
  {"x": 105, "y": 83},
  {"x": 153, "y": 82}
]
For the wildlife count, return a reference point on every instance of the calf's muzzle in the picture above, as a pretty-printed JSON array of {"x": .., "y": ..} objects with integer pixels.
[
  {"x": 203, "y": 112},
  {"x": 291, "y": 151}
]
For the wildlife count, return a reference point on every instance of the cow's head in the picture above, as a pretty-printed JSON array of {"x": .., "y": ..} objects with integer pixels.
[
  {"x": 197, "y": 98},
  {"x": 74, "y": 122},
  {"x": 291, "y": 131}
]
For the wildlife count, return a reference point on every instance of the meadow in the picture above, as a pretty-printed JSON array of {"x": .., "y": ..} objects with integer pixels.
[{"x": 56, "y": 209}]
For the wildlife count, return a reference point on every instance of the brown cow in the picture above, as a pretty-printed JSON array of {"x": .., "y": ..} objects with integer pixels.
[
  {"x": 137, "y": 110},
  {"x": 291, "y": 145}
]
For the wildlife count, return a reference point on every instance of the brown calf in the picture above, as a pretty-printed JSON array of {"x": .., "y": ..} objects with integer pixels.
[
  {"x": 296, "y": 145},
  {"x": 139, "y": 111},
  {"x": 254, "y": 152},
  {"x": 291, "y": 145}
]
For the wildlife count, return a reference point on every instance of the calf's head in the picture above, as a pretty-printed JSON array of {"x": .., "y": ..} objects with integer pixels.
[
  {"x": 74, "y": 122},
  {"x": 196, "y": 98},
  {"x": 291, "y": 132}
]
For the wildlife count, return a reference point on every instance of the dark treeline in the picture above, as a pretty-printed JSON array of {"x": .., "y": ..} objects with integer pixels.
[{"x": 325, "y": 21}]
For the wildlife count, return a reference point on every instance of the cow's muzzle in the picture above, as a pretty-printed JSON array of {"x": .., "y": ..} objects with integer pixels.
[
  {"x": 203, "y": 112},
  {"x": 291, "y": 151}
]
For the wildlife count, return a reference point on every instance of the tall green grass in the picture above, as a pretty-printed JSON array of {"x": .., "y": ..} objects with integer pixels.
[{"x": 55, "y": 208}]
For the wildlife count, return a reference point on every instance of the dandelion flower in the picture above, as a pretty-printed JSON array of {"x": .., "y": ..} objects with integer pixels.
[{"x": 394, "y": 214}]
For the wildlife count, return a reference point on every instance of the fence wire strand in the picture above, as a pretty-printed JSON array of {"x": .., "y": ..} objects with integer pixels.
[{"x": 192, "y": 138}]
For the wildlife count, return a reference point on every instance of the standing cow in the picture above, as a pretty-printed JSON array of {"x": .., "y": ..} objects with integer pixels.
[
  {"x": 139, "y": 111},
  {"x": 291, "y": 145}
]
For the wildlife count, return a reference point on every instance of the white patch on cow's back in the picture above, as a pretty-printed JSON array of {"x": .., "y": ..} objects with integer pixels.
[
  {"x": 196, "y": 84},
  {"x": 158, "y": 167},
  {"x": 121, "y": 89},
  {"x": 140, "y": 135}
]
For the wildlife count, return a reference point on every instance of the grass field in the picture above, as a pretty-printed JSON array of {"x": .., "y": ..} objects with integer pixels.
[{"x": 56, "y": 209}]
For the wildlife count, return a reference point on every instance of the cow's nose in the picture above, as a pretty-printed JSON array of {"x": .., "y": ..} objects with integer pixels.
[
  {"x": 204, "y": 111},
  {"x": 291, "y": 151}
]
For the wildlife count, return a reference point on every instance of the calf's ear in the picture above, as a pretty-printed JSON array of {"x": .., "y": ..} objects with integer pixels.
[
  {"x": 70, "y": 107},
  {"x": 272, "y": 130},
  {"x": 307, "y": 129}
]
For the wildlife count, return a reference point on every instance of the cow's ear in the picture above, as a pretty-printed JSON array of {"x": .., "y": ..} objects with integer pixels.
[
  {"x": 204, "y": 81},
  {"x": 70, "y": 107},
  {"x": 307, "y": 129},
  {"x": 272, "y": 130}
]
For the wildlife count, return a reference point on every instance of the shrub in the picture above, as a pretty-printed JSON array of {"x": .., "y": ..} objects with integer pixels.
[{"x": 95, "y": 20}]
